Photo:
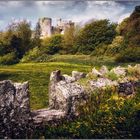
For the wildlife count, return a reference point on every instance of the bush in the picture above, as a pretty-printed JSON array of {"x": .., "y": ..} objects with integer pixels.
[
  {"x": 35, "y": 55},
  {"x": 129, "y": 55},
  {"x": 52, "y": 45},
  {"x": 106, "y": 115},
  {"x": 94, "y": 34},
  {"x": 9, "y": 59}
]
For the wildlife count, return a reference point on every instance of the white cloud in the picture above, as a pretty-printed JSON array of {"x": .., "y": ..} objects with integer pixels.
[{"x": 74, "y": 10}]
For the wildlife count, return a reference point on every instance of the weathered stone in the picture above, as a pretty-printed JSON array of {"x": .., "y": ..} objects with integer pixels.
[
  {"x": 104, "y": 70},
  {"x": 119, "y": 71},
  {"x": 47, "y": 30},
  {"x": 56, "y": 76},
  {"x": 65, "y": 96},
  {"x": 14, "y": 109},
  {"x": 126, "y": 88},
  {"x": 44, "y": 116},
  {"x": 68, "y": 78},
  {"x": 102, "y": 82},
  {"x": 78, "y": 75},
  {"x": 96, "y": 72}
]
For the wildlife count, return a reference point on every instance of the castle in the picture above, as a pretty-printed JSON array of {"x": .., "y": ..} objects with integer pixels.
[{"x": 46, "y": 28}]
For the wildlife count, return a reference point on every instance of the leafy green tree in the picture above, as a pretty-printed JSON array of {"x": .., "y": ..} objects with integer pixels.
[
  {"x": 36, "y": 41},
  {"x": 52, "y": 45},
  {"x": 23, "y": 32},
  {"x": 95, "y": 33},
  {"x": 120, "y": 29},
  {"x": 69, "y": 39}
]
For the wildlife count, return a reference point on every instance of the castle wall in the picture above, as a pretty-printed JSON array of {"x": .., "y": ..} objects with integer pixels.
[{"x": 45, "y": 27}]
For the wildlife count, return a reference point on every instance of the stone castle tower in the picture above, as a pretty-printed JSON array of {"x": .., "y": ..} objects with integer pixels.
[
  {"x": 63, "y": 25},
  {"x": 46, "y": 28}
]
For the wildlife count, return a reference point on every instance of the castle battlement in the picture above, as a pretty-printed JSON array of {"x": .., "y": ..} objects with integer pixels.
[{"x": 46, "y": 28}]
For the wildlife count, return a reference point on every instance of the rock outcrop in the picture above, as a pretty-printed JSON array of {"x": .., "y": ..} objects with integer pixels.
[
  {"x": 102, "y": 82},
  {"x": 96, "y": 72},
  {"x": 14, "y": 109},
  {"x": 119, "y": 71},
  {"x": 66, "y": 95},
  {"x": 78, "y": 75},
  {"x": 104, "y": 70}
]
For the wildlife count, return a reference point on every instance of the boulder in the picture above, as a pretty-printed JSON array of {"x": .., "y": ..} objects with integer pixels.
[
  {"x": 56, "y": 76},
  {"x": 119, "y": 71},
  {"x": 14, "y": 109},
  {"x": 43, "y": 116},
  {"x": 78, "y": 75},
  {"x": 104, "y": 70},
  {"x": 102, "y": 82},
  {"x": 68, "y": 78},
  {"x": 66, "y": 96},
  {"x": 128, "y": 88},
  {"x": 96, "y": 72}
]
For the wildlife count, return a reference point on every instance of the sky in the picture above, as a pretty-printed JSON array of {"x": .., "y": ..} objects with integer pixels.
[{"x": 77, "y": 11}]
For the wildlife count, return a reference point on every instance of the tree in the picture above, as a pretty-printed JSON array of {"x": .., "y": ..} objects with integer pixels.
[
  {"x": 95, "y": 33},
  {"x": 36, "y": 41},
  {"x": 52, "y": 45},
  {"x": 69, "y": 39},
  {"x": 20, "y": 37}
]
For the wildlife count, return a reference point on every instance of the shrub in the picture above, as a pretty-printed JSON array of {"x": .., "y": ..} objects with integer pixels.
[
  {"x": 93, "y": 34},
  {"x": 129, "y": 55},
  {"x": 35, "y": 55},
  {"x": 112, "y": 76},
  {"x": 52, "y": 45},
  {"x": 106, "y": 115},
  {"x": 9, "y": 59}
]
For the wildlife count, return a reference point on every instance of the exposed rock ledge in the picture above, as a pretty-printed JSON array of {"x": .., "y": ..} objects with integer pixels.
[{"x": 65, "y": 95}]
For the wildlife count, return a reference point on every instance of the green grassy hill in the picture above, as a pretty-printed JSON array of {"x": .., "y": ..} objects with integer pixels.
[{"x": 38, "y": 73}]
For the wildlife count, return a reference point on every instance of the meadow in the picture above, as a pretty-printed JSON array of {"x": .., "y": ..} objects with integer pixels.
[{"x": 37, "y": 74}]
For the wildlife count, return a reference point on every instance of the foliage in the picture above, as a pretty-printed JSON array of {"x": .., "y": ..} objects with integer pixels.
[
  {"x": 121, "y": 27},
  {"x": 16, "y": 39},
  {"x": 51, "y": 45},
  {"x": 21, "y": 38},
  {"x": 8, "y": 59},
  {"x": 69, "y": 40},
  {"x": 94, "y": 34},
  {"x": 105, "y": 115},
  {"x": 99, "y": 50},
  {"x": 112, "y": 76},
  {"x": 115, "y": 47},
  {"x": 132, "y": 28},
  {"x": 131, "y": 54},
  {"x": 38, "y": 73}
]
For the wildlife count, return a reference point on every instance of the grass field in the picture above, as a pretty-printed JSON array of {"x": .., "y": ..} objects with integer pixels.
[{"x": 38, "y": 73}]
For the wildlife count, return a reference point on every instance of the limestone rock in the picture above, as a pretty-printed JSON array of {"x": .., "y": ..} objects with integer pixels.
[
  {"x": 96, "y": 72},
  {"x": 43, "y": 116},
  {"x": 65, "y": 96},
  {"x": 102, "y": 82},
  {"x": 78, "y": 75},
  {"x": 68, "y": 78},
  {"x": 56, "y": 76},
  {"x": 14, "y": 109},
  {"x": 104, "y": 70},
  {"x": 126, "y": 88},
  {"x": 119, "y": 71}
]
